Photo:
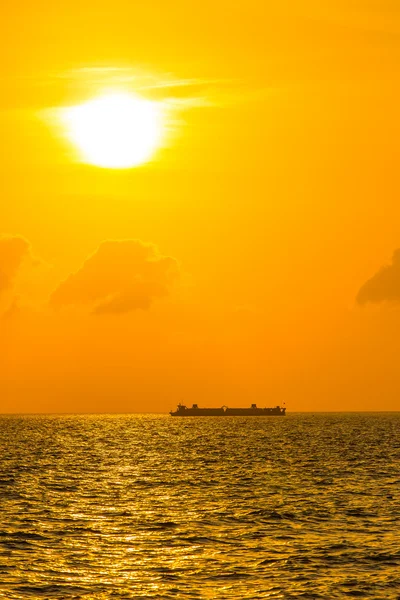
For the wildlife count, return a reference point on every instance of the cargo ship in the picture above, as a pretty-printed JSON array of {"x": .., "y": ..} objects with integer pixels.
[{"x": 224, "y": 411}]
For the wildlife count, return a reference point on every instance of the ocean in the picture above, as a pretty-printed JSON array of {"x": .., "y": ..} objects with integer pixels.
[{"x": 150, "y": 506}]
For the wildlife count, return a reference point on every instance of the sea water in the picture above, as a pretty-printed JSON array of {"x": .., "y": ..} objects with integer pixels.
[{"x": 150, "y": 506}]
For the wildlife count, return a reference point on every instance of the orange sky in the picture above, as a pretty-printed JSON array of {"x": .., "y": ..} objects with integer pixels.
[{"x": 252, "y": 231}]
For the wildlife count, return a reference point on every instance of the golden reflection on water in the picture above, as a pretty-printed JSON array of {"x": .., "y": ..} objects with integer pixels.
[{"x": 130, "y": 507}]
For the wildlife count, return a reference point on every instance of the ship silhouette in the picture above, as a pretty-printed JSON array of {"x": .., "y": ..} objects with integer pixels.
[{"x": 225, "y": 411}]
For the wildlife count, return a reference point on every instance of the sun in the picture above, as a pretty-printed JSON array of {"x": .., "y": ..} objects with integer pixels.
[{"x": 115, "y": 130}]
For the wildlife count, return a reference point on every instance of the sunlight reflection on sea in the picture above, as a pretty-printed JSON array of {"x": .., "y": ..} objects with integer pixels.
[{"x": 142, "y": 506}]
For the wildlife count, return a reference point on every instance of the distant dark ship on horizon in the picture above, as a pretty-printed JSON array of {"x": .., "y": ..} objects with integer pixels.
[{"x": 224, "y": 411}]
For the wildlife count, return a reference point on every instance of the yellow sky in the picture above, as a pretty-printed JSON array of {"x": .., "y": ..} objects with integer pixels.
[{"x": 272, "y": 202}]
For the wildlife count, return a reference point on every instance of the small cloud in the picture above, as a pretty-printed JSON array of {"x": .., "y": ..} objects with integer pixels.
[
  {"x": 176, "y": 93},
  {"x": 13, "y": 251},
  {"x": 384, "y": 286},
  {"x": 121, "y": 276},
  {"x": 12, "y": 311}
]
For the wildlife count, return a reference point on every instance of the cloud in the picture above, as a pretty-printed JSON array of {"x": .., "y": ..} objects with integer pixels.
[
  {"x": 12, "y": 311},
  {"x": 13, "y": 251},
  {"x": 384, "y": 286},
  {"x": 139, "y": 79},
  {"x": 121, "y": 276}
]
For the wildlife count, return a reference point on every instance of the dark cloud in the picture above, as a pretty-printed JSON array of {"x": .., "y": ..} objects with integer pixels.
[
  {"x": 384, "y": 286},
  {"x": 119, "y": 277},
  {"x": 13, "y": 250}
]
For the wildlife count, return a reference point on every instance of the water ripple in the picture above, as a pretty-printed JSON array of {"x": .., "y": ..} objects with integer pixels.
[{"x": 128, "y": 506}]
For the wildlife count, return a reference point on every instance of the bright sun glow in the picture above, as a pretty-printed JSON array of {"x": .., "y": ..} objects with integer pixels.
[{"x": 117, "y": 131}]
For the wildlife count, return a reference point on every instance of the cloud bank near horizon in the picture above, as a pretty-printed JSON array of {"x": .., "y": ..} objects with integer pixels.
[
  {"x": 384, "y": 286},
  {"x": 119, "y": 277}
]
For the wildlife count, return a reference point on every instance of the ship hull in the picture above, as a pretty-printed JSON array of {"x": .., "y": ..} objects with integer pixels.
[
  {"x": 183, "y": 411},
  {"x": 201, "y": 412}
]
